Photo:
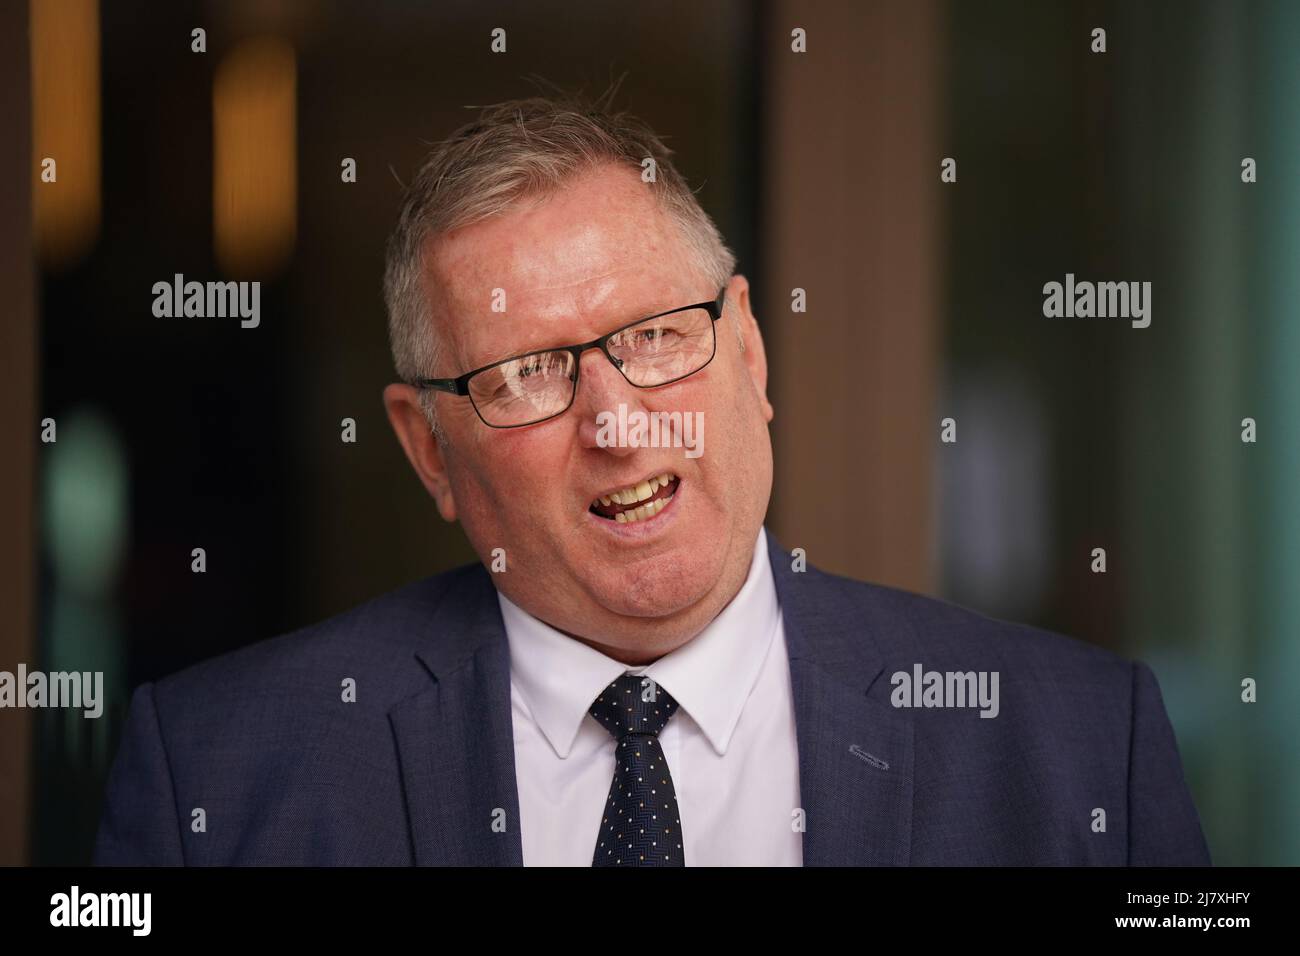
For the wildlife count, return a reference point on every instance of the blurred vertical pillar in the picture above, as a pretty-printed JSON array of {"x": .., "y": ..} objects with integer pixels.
[
  {"x": 1209, "y": 355},
  {"x": 1276, "y": 772},
  {"x": 851, "y": 168},
  {"x": 18, "y": 420},
  {"x": 1213, "y": 523},
  {"x": 1183, "y": 490}
]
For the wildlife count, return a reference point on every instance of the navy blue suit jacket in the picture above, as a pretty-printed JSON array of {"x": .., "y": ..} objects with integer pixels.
[{"x": 417, "y": 769}]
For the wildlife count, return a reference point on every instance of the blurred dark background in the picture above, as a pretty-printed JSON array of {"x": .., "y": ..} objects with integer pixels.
[{"x": 822, "y": 169}]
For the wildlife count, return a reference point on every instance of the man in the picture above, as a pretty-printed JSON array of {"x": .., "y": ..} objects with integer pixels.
[{"x": 636, "y": 673}]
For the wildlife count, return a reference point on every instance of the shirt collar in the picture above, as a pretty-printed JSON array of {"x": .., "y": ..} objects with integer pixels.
[{"x": 710, "y": 676}]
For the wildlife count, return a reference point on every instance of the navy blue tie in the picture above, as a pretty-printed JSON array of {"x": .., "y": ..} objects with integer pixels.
[{"x": 641, "y": 825}]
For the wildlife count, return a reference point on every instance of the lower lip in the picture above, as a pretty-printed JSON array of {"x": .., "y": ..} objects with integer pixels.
[{"x": 638, "y": 530}]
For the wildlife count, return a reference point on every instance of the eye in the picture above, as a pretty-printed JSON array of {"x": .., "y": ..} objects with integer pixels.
[{"x": 654, "y": 336}]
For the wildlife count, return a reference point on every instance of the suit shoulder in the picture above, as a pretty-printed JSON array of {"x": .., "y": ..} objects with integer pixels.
[
  {"x": 372, "y": 643},
  {"x": 905, "y": 624}
]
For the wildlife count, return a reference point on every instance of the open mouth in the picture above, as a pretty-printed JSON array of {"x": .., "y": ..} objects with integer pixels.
[{"x": 637, "y": 502}]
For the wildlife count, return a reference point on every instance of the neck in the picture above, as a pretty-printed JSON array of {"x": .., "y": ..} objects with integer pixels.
[{"x": 637, "y": 641}]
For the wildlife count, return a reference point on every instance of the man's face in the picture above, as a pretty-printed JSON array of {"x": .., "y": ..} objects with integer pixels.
[{"x": 594, "y": 256}]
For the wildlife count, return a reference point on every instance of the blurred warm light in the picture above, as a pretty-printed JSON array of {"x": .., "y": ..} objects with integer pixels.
[
  {"x": 255, "y": 160},
  {"x": 65, "y": 127}
]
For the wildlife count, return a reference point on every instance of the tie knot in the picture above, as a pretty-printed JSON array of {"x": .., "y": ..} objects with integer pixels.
[{"x": 633, "y": 704}]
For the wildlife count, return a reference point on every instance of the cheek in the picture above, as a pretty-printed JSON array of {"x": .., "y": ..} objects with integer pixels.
[
  {"x": 476, "y": 482},
  {"x": 503, "y": 481},
  {"x": 738, "y": 449},
  {"x": 731, "y": 418}
]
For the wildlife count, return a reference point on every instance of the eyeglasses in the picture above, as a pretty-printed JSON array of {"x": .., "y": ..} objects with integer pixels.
[{"x": 535, "y": 386}]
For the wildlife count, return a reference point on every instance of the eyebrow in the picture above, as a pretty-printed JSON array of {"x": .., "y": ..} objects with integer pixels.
[{"x": 636, "y": 317}]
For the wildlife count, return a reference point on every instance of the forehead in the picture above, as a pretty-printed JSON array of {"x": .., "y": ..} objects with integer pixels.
[{"x": 599, "y": 249}]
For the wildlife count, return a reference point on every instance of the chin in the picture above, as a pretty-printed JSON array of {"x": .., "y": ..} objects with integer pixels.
[{"x": 658, "y": 586}]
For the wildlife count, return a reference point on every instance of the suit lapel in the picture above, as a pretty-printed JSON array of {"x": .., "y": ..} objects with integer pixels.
[
  {"x": 455, "y": 740},
  {"x": 855, "y": 750},
  {"x": 456, "y": 746}
]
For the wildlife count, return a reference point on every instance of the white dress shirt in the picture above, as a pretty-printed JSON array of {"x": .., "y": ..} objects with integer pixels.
[{"x": 731, "y": 746}]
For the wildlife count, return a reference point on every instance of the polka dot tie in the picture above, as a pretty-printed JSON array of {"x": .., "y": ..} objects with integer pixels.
[{"x": 641, "y": 825}]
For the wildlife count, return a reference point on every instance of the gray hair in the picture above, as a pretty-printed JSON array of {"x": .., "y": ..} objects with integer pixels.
[{"x": 516, "y": 150}]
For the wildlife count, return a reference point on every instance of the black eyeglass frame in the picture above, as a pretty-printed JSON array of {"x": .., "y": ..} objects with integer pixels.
[{"x": 460, "y": 384}]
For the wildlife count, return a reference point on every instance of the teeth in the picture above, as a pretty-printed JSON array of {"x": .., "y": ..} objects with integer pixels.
[
  {"x": 641, "y": 512},
  {"x": 627, "y": 497}
]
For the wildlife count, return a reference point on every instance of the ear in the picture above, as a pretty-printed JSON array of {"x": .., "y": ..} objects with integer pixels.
[
  {"x": 754, "y": 356},
  {"x": 420, "y": 444}
]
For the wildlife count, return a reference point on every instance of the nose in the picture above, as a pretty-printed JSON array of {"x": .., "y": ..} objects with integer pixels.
[{"x": 601, "y": 389}]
